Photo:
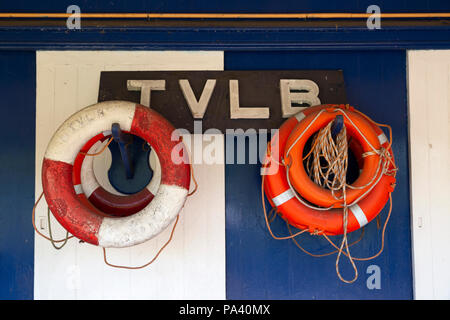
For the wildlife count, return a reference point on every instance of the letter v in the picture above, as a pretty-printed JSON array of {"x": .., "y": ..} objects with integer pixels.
[{"x": 198, "y": 108}]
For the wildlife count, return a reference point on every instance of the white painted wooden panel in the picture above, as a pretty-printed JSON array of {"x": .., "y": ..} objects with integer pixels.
[
  {"x": 429, "y": 120},
  {"x": 193, "y": 265}
]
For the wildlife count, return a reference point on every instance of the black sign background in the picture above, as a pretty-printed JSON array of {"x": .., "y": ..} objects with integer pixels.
[{"x": 256, "y": 89}]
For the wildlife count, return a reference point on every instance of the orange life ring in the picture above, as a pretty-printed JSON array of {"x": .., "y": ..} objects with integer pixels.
[
  {"x": 312, "y": 124},
  {"x": 328, "y": 222}
]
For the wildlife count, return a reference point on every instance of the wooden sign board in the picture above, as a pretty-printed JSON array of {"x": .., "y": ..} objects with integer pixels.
[{"x": 225, "y": 99}]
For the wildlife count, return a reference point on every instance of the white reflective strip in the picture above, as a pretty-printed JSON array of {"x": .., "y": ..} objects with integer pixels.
[
  {"x": 145, "y": 224},
  {"x": 156, "y": 167},
  {"x": 107, "y": 133},
  {"x": 78, "y": 189},
  {"x": 282, "y": 198},
  {"x": 300, "y": 116},
  {"x": 85, "y": 124},
  {"x": 382, "y": 138},
  {"x": 359, "y": 215}
]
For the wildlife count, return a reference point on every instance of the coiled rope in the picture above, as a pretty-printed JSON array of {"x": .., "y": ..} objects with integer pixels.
[{"x": 332, "y": 175}]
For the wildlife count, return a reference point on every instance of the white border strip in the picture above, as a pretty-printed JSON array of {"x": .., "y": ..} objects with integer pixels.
[
  {"x": 382, "y": 138},
  {"x": 283, "y": 197},
  {"x": 300, "y": 116},
  {"x": 359, "y": 214},
  {"x": 78, "y": 189}
]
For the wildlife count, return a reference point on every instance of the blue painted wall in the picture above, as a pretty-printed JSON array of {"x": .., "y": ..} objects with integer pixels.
[
  {"x": 376, "y": 83},
  {"x": 17, "y": 132},
  {"x": 259, "y": 267}
]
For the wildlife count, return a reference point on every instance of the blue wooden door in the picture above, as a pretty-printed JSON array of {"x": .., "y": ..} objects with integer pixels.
[{"x": 259, "y": 267}]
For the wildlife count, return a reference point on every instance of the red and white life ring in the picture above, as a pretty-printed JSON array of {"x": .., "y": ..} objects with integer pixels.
[
  {"x": 85, "y": 181},
  {"x": 80, "y": 219}
]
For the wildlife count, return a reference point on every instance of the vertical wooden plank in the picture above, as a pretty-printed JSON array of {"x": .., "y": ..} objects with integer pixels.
[
  {"x": 55, "y": 100},
  {"x": 422, "y": 253},
  {"x": 429, "y": 106},
  {"x": 440, "y": 174},
  {"x": 204, "y": 217},
  {"x": 65, "y": 104},
  {"x": 161, "y": 280}
]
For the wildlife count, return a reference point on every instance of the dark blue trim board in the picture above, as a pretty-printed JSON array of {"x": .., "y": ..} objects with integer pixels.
[
  {"x": 223, "y": 38},
  {"x": 17, "y": 160}
]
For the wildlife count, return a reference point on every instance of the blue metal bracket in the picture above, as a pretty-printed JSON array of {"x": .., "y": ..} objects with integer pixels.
[
  {"x": 336, "y": 127},
  {"x": 130, "y": 170},
  {"x": 123, "y": 140}
]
